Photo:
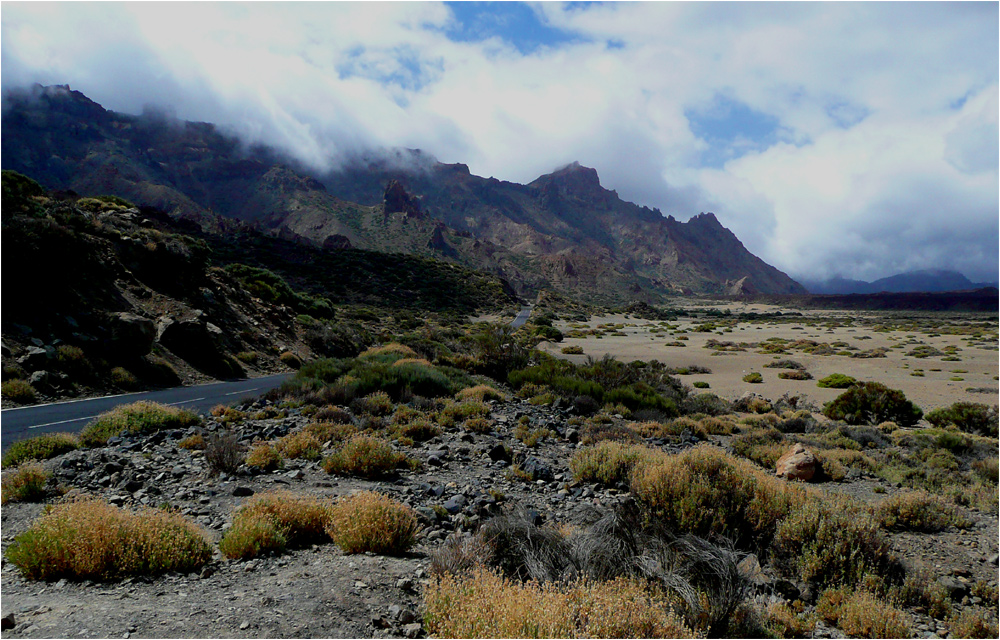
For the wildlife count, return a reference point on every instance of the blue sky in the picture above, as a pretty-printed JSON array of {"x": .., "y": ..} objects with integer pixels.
[{"x": 854, "y": 139}]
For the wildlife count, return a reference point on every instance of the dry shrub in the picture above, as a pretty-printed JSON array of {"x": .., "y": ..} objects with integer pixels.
[
  {"x": 707, "y": 492},
  {"x": 795, "y": 375},
  {"x": 301, "y": 445},
  {"x": 608, "y": 462},
  {"x": 270, "y": 521},
  {"x": 377, "y": 403},
  {"x": 290, "y": 360},
  {"x": 848, "y": 457},
  {"x": 123, "y": 378},
  {"x": 365, "y": 457},
  {"x": 264, "y": 456},
  {"x": 862, "y": 614},
  {"x": 418, "y": 430},
  {"x": 459, "y": 411},
  {"x": 224, "y": 452},
  {"x": 596, "y": 431},
  {"x": 831, "y": 541},
  {"x": 390, "y": 348},
  {"x": 918, "y": 511},
  {"x": 369, "y": 521},
  {"x": 19, "y": 391},
  {"x": 331, "y": 431},
  {"x": 531, "y": 437},
  {"x": 333, "y": 414},
  {"x": 921, "y": 589},
  {"x": 478, "y": 424},
  {"x": 227, "y": 415},
  {"x": 195, "y": 442},
  {"x": 41, "y": 447},
  {"x": 762, "y": 445},
  {"x": 972, "y": 624},
  {"x": 987, "y": 469},
  {"x": 25, "y": 483},
  {"x": 405, "y": 414},
  {"x": 138, "y": 418},
  {"x": 90, "y": 539},
  {"x": 424, "y": 362},
  {"x": 480, "y": 392},
  {"x": 784, "y": 622},
  {"x": 717, "y": 426},
  {"x": 485, "y": 604}
]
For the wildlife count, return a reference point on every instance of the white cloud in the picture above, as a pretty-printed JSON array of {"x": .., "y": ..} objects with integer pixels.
[{"x": 875, "y": 169}]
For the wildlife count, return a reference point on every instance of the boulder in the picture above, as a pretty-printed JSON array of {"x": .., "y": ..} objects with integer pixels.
[
  {"x": 131, "y": 334},
  {"x": 798, "y": 463},
  {"x": 35, "y": 357},
  {"x": 199, "y": 342}
]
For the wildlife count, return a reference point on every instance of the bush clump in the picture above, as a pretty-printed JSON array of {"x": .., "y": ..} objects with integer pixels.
[
  {"x": 873, "y": 403},
  {"x": 918, "y": 511},
  {"x": 486, "y": 604},
  {"x": 364, "y": 456},
  {"x": 369, "y": 521},
  {"x": 41, "y": 447},
  {"x": 90, "y": 539},
  {"x": 836, "y": 381},
  {"x": 862, "y": 614},
  {"x": 971, "y": 417},
  {"x": 831, "y": 542},
  {"x": 138, "y": 418},
  {"x": 753, "y": 378},
  {"x": 273, "y": 520},
  {"x": 25, "y": 483},
  {"x": 19, "y": 391},
  {"x": 301, "y": 445},
  {"x": 264, "y": 456}
]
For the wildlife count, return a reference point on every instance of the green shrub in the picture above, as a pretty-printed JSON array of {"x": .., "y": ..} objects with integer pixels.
[
  {"x": 249, "y": 357},
  {"x": 784, "y": 364},
  {"x": 90, "y": 539},
  {"x": 138, "y": 418},
  {"x": 753, "y": 378},
  {"x": 836, "y": 381},
  {"x": 25, "y": 483},
  {"x": 971, "y": 417},
  {"x": 374, "y": 404},
  {"x": 700, "y": 384},
  {"x": 370, "y": 522},
  {"x": 607, "y": 462},
  {"x": 573, "y": 350},
  {"x": 873, "y": 403},
  {"x": 19, "y": 391},
  {"x": 796, "y": 374},
  {"x": 364, "y": 456},
  {"x": 41, "y": 447}
]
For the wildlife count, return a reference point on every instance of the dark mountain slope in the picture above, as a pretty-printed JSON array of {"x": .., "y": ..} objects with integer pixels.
[{"x": 563, "y": 231}]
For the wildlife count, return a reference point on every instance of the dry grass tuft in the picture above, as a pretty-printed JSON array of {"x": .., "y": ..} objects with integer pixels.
[
  {"x": 265, "y": 457},
  {"x": 195, "y": 442},
  {"x": 365, "y": 457},
  {"x": 90, "y": 539},
  {"x": 138, "y": 418},
  {"x": 972, "y": 624},
  {"x": 480, "y": 392},
  {"x": 369, "y": 521},
  {"x": 25, "y": 483},
  {"x": 301, "y": 445},
  {"x": 270, "y": 521},
  {"x": 487, "y": 605}
]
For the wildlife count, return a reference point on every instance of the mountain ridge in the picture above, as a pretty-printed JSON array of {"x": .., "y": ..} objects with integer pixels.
[
  {"x": 562, "y": 231},
  {"x": 918, "y": 281}
]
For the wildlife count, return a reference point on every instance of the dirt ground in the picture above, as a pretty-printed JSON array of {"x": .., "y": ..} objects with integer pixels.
[{"x": 977, "y": 365}]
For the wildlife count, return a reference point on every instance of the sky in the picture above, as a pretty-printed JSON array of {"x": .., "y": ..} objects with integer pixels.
[{"x": 853, "y": 139}]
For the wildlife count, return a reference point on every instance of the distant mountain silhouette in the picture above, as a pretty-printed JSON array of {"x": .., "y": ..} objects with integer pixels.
[{"x": 927, "y": 280}]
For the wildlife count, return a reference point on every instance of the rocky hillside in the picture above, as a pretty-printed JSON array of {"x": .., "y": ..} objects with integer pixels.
[
  {"x": 103, "y": 296},
  {"x": 562, "y": 231}
]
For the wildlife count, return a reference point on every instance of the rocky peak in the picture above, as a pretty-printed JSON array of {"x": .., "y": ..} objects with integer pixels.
[
  {"x": 573, "y": 180},
  {"x": 397, "y": 200}
]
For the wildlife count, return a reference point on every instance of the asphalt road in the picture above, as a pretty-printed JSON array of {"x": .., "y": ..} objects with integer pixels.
[
  {"x": 27, "y": 422},
  {"x": 521, "y": 318}
]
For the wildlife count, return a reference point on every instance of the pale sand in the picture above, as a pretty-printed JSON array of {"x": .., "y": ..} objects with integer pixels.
[{"x": 928, "y": 392}]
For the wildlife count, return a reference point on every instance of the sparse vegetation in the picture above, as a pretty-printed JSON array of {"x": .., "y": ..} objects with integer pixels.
[
  {"x": 90, "y": 539},
  {"x": 24, "y": 483},
  {"x": 364, "y": 456},
  {"x": 41, "y": 447},
  {"x": 19, "y": 391},
  {"x": 138, "y": 418}
]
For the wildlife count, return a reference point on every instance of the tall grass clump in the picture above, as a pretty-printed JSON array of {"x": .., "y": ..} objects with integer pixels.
[
  {"x": 364, "y": 456},
  {"x": 25, "y": 483},
  {"x": 41, "y": 447},
  {"x": 485, "y": 604},
  {"x": 369, "y": 521},
  {"x": 138, "y": 418},
  {"x": 90, "y": 539},
  {"x": 269, "y": 522}
]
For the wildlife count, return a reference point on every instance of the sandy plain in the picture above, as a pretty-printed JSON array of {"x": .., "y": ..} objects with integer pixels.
[{"x": 966, "y": 346}]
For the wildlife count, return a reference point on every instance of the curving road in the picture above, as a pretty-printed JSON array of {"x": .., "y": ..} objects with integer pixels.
[
  {"x": 27, "y": 422},
  {"x": 521, "y": 318}
]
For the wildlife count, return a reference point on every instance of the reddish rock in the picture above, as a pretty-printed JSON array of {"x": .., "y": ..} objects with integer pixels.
[{"x": 798, "y": 463}]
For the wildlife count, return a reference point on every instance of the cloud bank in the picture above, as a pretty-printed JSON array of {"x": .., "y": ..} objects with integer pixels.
[{"x": 853, "y": 139}]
